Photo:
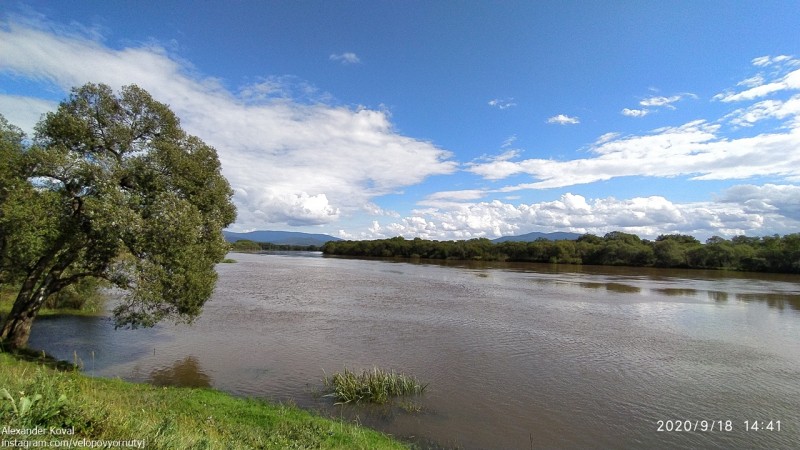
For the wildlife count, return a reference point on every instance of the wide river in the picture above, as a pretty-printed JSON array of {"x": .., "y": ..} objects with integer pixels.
[{"x": 516, "y": 356}]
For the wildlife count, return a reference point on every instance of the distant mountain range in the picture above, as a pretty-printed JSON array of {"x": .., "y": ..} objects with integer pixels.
[
  {"x": 297, "y": 238},
  {"x": 280, "y": 237},
  {"x": 530, "y": 237}
]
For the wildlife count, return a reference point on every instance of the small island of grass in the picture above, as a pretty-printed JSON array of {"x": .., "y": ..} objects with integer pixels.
[{"x": 375, "y": 386}]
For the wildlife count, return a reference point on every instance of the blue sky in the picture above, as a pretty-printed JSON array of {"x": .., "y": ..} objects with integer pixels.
[{"x": 452, "y": 120}]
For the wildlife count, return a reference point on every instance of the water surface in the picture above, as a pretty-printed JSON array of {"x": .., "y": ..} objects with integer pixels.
[{"x": 516, "y": 356}]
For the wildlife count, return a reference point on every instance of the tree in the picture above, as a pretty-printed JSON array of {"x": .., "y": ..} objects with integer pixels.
[{"x": 111, "y": 188}]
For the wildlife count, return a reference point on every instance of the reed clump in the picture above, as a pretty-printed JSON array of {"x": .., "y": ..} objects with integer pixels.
[{"x": 375, "y": 385}]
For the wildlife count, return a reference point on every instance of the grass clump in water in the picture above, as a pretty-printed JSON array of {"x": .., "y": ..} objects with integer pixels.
[{"x": 375, "y": 386}]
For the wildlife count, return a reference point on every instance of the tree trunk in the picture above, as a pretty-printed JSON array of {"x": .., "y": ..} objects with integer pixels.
[{"x": 17, "y": 329}]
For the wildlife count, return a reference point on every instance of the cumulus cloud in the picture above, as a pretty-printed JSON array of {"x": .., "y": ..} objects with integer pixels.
[
  {"x": 562, "y": 119},
  {"x": 738, "y": 213},
  {"x": 296, "y": 163},
  {"x": 345, "y": 58},
  {"x": 635, "y": 112},
  {"x": 769, "y": 199}
]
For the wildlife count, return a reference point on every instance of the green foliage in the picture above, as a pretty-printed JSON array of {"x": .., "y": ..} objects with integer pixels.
[
  {"x": 166, "y": 417},
  {"x": 375, "y": 386},
  {"x": 45, "y": 399},
  {"x": 767, "y": 254},
  {"x": 84, "y": 294},
  {"x": 246, "y": 246},
  {"x": 111, "y": 188}
]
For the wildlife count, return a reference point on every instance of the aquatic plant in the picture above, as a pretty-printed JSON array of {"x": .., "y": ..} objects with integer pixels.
[{"x": 375, "y": 386}]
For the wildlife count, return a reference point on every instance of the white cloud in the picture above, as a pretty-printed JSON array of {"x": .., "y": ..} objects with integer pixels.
[
  {"x": 345, "y": 58},
  {"x": 769, "y": 199},
  {"x": 761, "y": 61},
  {"x": 660, "y": 101},
  {"x": 509, "y": 141},
  {"x": 635, "y": 112},
  {"x": 375, "y": 210},
  {"x": 696, "y": 148},
  {"x": 646, "y": 216},
  {"x": 767, "y": 109},
  {"x": 24, "y": 112},
  {"x": 562, "y": 119},
  {"x": 764, "y": 61},
  {"x": 466, "y": 194},
  {"x": 784, "y": 77},
  {"x": 289, "y": 162},
  {"x": 655, "y": 102},
  {"x": 756, "y": 80},
  {"x": 502, "y": 103}
]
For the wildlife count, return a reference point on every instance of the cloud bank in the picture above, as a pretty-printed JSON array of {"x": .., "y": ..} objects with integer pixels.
[
  {"x": 290, "y": 163},
  {"x": 739, "y": 210}
]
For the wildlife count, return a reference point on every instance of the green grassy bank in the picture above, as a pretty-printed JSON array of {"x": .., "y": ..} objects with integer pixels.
[{"x": 36, "y": 399}]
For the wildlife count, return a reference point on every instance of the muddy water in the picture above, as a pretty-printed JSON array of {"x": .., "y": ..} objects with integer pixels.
[{"x": 516, "y": 356}]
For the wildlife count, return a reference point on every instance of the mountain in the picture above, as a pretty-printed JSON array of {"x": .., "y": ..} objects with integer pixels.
[
  {"x": 280, "y": 237},
  {"x": 530, "y": 237}
]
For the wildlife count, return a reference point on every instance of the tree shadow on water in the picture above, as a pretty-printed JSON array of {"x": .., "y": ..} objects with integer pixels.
[{"x": 184, "y": 372}]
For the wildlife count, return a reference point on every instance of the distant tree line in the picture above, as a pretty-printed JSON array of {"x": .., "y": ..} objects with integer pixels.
[
  {"x": 246, "y": 245},
  {"x": 760, "y": 254}
]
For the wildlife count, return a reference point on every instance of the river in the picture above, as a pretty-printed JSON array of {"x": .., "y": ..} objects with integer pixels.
[{"x": 516, "y": 355}]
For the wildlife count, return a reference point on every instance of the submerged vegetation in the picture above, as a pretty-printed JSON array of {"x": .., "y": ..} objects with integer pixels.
[
  {"x": 34, "y": 396},
  {"x": 759, "y": 254},
  {"x": 374, "y": 386}
]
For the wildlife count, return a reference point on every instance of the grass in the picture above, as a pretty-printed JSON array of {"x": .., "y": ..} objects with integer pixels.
[
  {"x": 375, "y": 386},
  {"x": 34, "y": 395},
  {"x": 228, "y": 261}
]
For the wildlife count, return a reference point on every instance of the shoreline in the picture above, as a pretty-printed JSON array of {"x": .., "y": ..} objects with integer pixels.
[{"x": 101, "y": 409}]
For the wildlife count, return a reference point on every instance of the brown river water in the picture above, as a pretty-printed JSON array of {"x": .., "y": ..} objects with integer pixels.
[{"x": 516, "y": 355}]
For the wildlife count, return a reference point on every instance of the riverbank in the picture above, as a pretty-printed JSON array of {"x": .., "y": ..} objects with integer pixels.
[{"x": 68, "y": 405}]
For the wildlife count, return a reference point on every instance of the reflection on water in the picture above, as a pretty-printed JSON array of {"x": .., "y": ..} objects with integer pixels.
[
  {"x": 619, "y": 288},
  {"x": 678, "y": 292},
  {"x": 717, "y": 296},
  {"x": 185, "y": 372},
  {"x": 779, "y": 301},
  {"x": 516, "y": 355}
]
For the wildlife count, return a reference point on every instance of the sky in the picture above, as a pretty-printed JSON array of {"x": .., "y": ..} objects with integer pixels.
[{"x": 452, "y": 119}]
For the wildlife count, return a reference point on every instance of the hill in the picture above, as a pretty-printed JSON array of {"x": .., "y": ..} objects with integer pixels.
[
  {"x": 280, "y": 237},
  {"x": 530, "y": 237}
]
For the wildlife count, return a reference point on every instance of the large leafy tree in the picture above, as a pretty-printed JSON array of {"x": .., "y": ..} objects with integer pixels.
[{"x": 110, "y": 187}]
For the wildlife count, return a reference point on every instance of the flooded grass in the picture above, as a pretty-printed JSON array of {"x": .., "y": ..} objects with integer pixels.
[{"x": 374, "y": 386}]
